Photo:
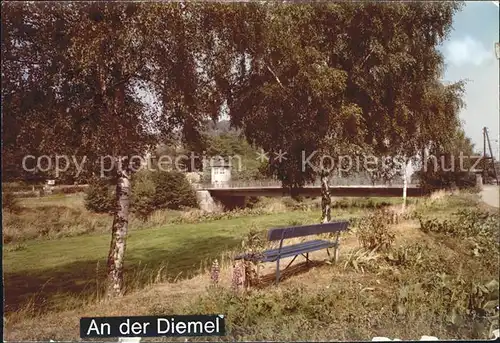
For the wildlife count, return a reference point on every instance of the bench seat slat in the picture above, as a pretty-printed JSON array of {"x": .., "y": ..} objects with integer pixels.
[
  {"x": 286, "y": 248},
  {"x": 297, "y": 249},
  {"x": 292, "y": 250},
  {"x": 307, "y": 230},
  {"x": 298, "y": 246}
]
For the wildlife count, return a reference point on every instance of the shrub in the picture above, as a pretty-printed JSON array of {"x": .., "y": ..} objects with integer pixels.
[
  {"x": 253, "y": 202},
  {"x": 374, "y": 233},
  {"x": 10, "y": 202},
  {"x": 439, "y": 179},
  {"x": 368, "y": 203},
  {"x": 458, "y": 301},
  {"x": 289, "y": 202},
  {"x": 407, "y": 256},
  {"x": 467, "y": 223},
  {"x": 173, "y": 191},
  {"x": 297, "y": 203},
  {"x": 69, "y": 190},
  {"x": 143, "y": 195},
  {"x": 98, "y": 197},
  {"x": 362, "y": 261},
  {"x": 254, "y": 242}
]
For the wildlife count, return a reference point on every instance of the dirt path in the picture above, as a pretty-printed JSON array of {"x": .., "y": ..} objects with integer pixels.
[{"x": 490, "y": 195}]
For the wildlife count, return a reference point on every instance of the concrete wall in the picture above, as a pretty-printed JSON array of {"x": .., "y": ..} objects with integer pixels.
[
  {"x": 479, "y": 181},
  {"x": 205, "y": 201}
]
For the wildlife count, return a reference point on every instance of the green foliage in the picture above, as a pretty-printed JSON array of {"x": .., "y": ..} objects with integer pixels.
[
  {"x": 254, "y": 242},
  {"x": 252, "y": 202},
  {"x": 10, "y": 202},
  {"x": 99, "y": 198},
  {"x": 479, "y": 229},
  {"x": 232, "y": 144},
  {"x": 337, "y": 96},
  {"x": 248, "y": 312},
  {"x": 374, "y": 233},
  {"x": 290, "y": 202},
  {"x": 202, "y": 217},
  {"x": 173, "y": 191},
  {"x": 68, "y": 190},
  {"x": 160, "y": 190},
  {"x": 444, "y": 169},
  {"x": 467, "y": 223},
  {"x": 457, "y": 300},
  {"x": 368, "y": 203},
  {"x": 407, "y": 256},
  {"x": 290, "y": 79},
  {"x": 362, "y": 260},
  {"x": 439, "y": 179},
  {"x": 15, "y": 247},
  {"x": 143, "y": 195}
]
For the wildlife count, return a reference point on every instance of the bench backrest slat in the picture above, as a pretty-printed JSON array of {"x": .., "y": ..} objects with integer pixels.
[{"x": 306, "y": 230}]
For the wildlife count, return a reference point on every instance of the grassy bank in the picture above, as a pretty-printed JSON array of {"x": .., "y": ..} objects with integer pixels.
[
  {"x": 50, "y": 273},
  {"x": 435, "y": 279},
  {"x": 58, "y": 216}
]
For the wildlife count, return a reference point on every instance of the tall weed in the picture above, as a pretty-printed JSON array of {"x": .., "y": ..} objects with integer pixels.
[{"x": 373, "y": 232}]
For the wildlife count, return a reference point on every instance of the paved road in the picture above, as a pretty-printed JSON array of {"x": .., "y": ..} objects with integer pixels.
[{"x": 491, "y": 195}]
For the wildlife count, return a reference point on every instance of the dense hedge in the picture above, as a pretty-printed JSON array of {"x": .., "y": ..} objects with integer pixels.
[
  {"x": 161, "y": 190},
  {"x": 99, "y": 196},
  {"x": 10, "y": 203},
  {"x": 173, "y": 190},
  {"x": 150, "y": 191},
  {"x": 435, "y": 180}
]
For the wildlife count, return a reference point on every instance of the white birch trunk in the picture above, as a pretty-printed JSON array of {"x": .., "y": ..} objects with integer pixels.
[
  {"x": 326, "y": 200},
  {"x": 119, "y": 235}
]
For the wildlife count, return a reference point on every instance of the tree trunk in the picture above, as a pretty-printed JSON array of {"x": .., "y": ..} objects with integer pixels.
[
  {"x": 326, "y": 200},
  {"x": 119, "y": 234},
  {"x": 405, "y": 184}
]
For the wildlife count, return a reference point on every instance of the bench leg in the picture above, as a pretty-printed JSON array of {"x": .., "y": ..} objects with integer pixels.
[
  {"x": 277, "y": 270},
  {"x": 337, "y": 245},
  {"x": 328, "y": 252},
  {"x": 291, "y": 262}
]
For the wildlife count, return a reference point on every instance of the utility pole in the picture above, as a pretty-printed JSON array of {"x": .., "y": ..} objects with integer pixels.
[
  {"x": 486, "y": 138},
  {"x": 497, "y": 54},
  {"x": 485, "y": 169}
]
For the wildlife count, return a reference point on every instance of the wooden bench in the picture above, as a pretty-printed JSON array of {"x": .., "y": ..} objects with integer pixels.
[{"x": 280, "y": 234}]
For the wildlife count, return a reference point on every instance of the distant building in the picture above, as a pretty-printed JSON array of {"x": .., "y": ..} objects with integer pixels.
[
  {"x": 220, "y": 172},
  {"x": 49, "y": 186}
]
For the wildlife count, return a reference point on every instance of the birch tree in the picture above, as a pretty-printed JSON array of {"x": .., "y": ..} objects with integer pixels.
[
  {"x": 340, "y": 79},
  {"x": 73, "y": 76}
]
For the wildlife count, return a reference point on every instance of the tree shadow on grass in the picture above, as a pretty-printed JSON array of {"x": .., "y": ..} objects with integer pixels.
[{"x": 57, "y": 288}]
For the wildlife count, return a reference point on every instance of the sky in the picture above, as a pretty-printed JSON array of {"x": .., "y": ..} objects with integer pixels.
[{"x": 469, "y": 54}]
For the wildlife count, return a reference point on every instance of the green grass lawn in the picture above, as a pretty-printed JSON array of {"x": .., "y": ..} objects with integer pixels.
[{"x": 52, "y": 272}]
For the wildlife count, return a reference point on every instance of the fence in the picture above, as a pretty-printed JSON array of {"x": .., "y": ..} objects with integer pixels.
[{"x": 276, "y": 183}]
